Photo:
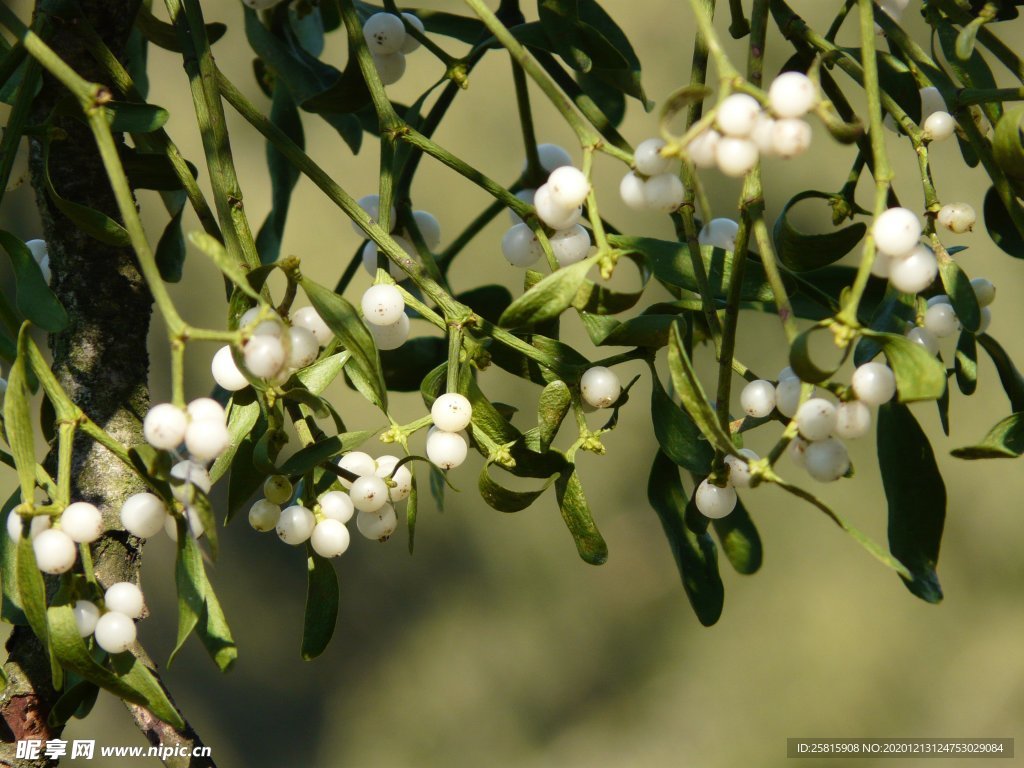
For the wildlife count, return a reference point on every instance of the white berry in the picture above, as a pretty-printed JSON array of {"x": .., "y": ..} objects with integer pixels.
[
  {"x": 402, "y": 477},
  {"x": 664, "y": 192},
  {"x": 882, "y": 265},
  {"x": 736, "y": 115},
  {"x": 124, "y": 597},
  {"x": 358, "y": 463},
  {"x": 914, "y": 273},
  {"x": 225, "y": 372},
  {"x": 555, "y": 215},
  {"x": 569, "y": 186},
  {"x": 816, "y": 418},
  {"x": 379, "y": 525},
  {"x": 714, "y": 501},
  {"x": 941, "y": 320},
  {"x": 758, "y": 398},
  {"x": 371, "y": 204},
  {"x": 763, "y": 134},
  {"x": 957, "y": 217},
  {"x": 719, "y": 233},
  {"x": 446, "y": 450},
  {"x": 265, "y": 356},
  {"x": 739, "y": 468},
  {"x": 114, "y": 632},
  {"x": 735, "y": 157},
  {"x": 303, "y": 348},
  {"x": 206, "y": 440},
  {"x": 55, "y": 551},
  {"x": 410, "y": 43},
  {"x": 526, "y": 195},
  {"x": 797, "y": 451},
  {"x": 451, "y": 412},
  {"x": 853, "y": 419},
  {"x": 631, "y": 190},
  {"x": 429, "y": 227},
  {"x": 164, "y": 426},
  {"x": 195, "y": 525},
  {"x": 369, "y": 493},
  {"x": 86, "y": 615},
  {"x": 520, "y": 246},
  {"x": 702, "y": 151},
  {"x": 600, "y": 387},
  {"x": 369, "y": 258},
  {"x": 931, "y": 98},
  {"x": 897, "y": 232},
  {"x": 984, "y": 291},
  {"x": 648, "y": 158},
  {"x": 986, "y": 320},
  {"x": 382, "y": 304},
  {"x": 384, "y": 33},
  {"x": 873, "y": 383},
  {"x": 939, "y": 126},
  {"x": 330, "y": 538},
  {"x": 826, "y": 460},
  {"x": 263, "y": 515},
  {"x": 551, "y": 156},
  {"x": 787, "y": 396},
  {"x": 206, "y": 409},
  {"x": 925, "y": 338},
  {"x": 82, "y": 521},
  {"x": 791, "y": 136},
  {"x": 388, "y": 337},
  {"x": 189, "y": 473},
  {"x": 792, "y": 94},
  {"x": 278, "y": 489},
  {"x": 570, "y": 245},
  {"x": 308, "y": 318},
  {"x": 143, "y": 515},
  {"x": 295, "y": 525},
  {"x": 336, "y": 505}
]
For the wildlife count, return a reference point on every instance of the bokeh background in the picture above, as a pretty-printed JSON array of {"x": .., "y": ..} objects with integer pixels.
[{"x": 494, "y": 644}]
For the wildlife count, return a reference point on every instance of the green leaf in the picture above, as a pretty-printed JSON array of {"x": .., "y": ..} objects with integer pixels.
[
  {"x": 626, "y": 79},
  {"x": 488, "y": 301},
  {"x": 411, "y": 508},
  {"x": 129, "y": 117},
  {"x": 137, "y": 684},
  {"x": 32, "y": 591},
  {"x": 12, "y": 611},
  {"x": 34, "y": 298},
  {"x": 800, "y": 251},
  {"x": 647, "y": 330},
  {"x": 1009, "y": 376},
  {"x": 919, "y": 376},
  {"x": 800, "y": 356},
  {"x": 304, "y": 460},
  {"x": 896, "y": 80},
  {"x": 580, "y": 45},
  {"x": 242, "y": 417},
  {"x": 198, "y": 607},
  {"x": 1004, "y": 441},
  {"x": 966, "y": 363},
  {"x": 404, "y": 368},
  {"x": 170, "y": 249},
  {"x": 576, "y": 515},
  {"x": 228, "y": 267},
  {"x": 691, "y": 393},
  {"x": 18, "y": 420},
  {"x": 611, "y": 101},
  {"x": 77, "y": 695},
  {"x": 1008, "y": 147},
  {"x": 961, "y": 294},
  {"x": 695, "y": 553},
  {"x": 94, "y": 223},
  {"x": 319, "y": 375},
  {"x": 916, "y": 495},
  {"x": 552, "y": 407},
  {"x": 245, "y": 478},
  {"x": 1001, "y": 229},
  {"x": 150, "y": 170},
  {"x": 163, "y": 35},
  {"x": 740, "y": 540},
  {"x": 548, "y": 298},
  {"x": 342, "y": 318},
  {"x": 677, "y": 433},
  {"x": 321, "y": 605},
  {"x": 503, "y": 499}
]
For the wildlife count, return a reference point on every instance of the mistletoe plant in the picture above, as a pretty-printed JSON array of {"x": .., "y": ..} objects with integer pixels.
[{"x": 76, "y": 79}]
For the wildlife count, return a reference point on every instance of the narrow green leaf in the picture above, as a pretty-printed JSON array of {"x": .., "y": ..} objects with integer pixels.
[
  {"x": 18, "y": 420},
  {"x": 647, "y": 330},
  {"x": 966, "y": 363},
  {"x": 342, "y": 318},
  {"x": 76, "y": 695},
  {"x": 130, "y": 117},
  {"x": 411, "y": 508},
  {"x": 318, "y": 376},
  {"x": 11, "y": 612},
  {"x": 961, "y": 294},
  {"x": 34, "y": 299},
  {"x": 999, "y": 223},
  {"x": 691, "y": 393},
  {"x": 800, "y": 356},
  {"x": 740, "y": 540},
  {"x": 405, "y": 367},
  {"x": 197, "y": 595},
  {"x": 230, "y": 268},
  {"x": 1008, "y": 150},
  {"x": 695, "y": 553},
  {"x": 94, "y": 223},
  {"x": 548, "y": 298},
  {"x": 321, "y": 605},
  {"x": 325, "y": 450},
  {"x": 919, "y": 376},
  {"x": 496, "y": 496},
  {"x": 170, "y": 249},
  {"x": 242, "y": 417},
  {"x": 801, "y": 251},
  {"x": 552, "y": 407},
  {"x": 32, "y": 589},
  {"x": 916, "y": 495},
  {"x": 1004, "y": 441},
  {"x": 576, "y": 514},
  {"x": 245, "y": 478},
  {"x": 677, "y": 433},
  {"x": 1009, "y": 376},
  {"x": 163, "y": 35}
]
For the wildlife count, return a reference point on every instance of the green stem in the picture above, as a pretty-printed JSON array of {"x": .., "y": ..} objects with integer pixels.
[
  {"x": 702, "y": 11},
  {"x": 770, "y": 262}
]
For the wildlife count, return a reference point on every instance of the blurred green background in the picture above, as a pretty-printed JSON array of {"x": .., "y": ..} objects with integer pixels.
[{"x": 494, "y": 644}]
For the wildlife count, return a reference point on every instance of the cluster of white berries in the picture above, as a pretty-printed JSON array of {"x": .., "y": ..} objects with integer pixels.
[
  {"x": 384, "y": 310},
  {"x": 940, "y": 320},
  {"x": 559, "y": 205},
  {"x": 655, "y": 183},
  {"x": 273, "y": 351},
  {"x": 744, "y": 132},
  {"x": 909, "y": 265},
  {"x": 55, "y": 540},
  {"x": 202, "y": 427},
  {"x": 41, "y": 253},
  {"x": 426, "y": 223},
  {"x": 114, "y": 627},
  {"x": 389, "y": 42},
  {"x": 936, "y": 123},
  {"x": 447, "y": 441}
]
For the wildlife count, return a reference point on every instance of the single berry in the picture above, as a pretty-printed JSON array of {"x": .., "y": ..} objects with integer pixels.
[
  {"x": 553, "y": 214},
  {"x": 446, "y": 450},
  {"x": 308, "y": 318},
  {"x": 941, "y": 320},
  {"x": 82, "y": 521},
  {"x": 957, "y": 217},
  {"x": 206, "y": 409},
  {"x": 295, "y": 525},
  {"x": 451, "y": 412},
  {"x": 526, "y": 195},
  {"x": 826, "y": 460},
  {"x": 787, "y": 396},
  {"x": 278, "y": 489},
  {"x": 931, "y": 98},
  {"x": 358, "y": 463},
  {"x": 648, "y": 160},
  {"x": 736, "y": 115},
  {"x": 735, "y": 157},
  {"x": 388, "y": 337},
  {"x": 55, "y": 551},
  {"x": 739, "y": 468},
  {"x": 384, "y": 33},
  {"x": 520, "y": 246},
  {"x": 786, "y": 373},
  {"x": 853, "y": 419},
  {"x": 897, "y": 232},
  {"x": 914, "y": 273},
  {"x": 86, "y": 615},
  {"x": 38, "y": 524},
  {"x": 569, "y": 186},
  {"x": 379, "y": 525},
  {"x": 265, "y": 356},
  {"x": 702, "y": 151},
  {"x": 402, "y": 477},
  {"x": 195, "y": 525},
  {"x": 225, "y": 372},
  {"x": 797, "y": 451},
  {"x": 816, "y": 419},
  {"x": 873, "y": 383},
  {"x": 124, "y": 597},
  {"x": 369, "y": 257},
  {"x": 114, "y": 632},
  {"x": 429, "y": 227},
  {"x": 882, "y": 265},
  {"x": 984, "y": 291},
  {"x": 337, "y": 506},
  {"x": 330, "y": 538},
  {"x": 143, "y": 515},
  {"x": 206, "y": 440},
  {"x": 986, "y": 320},
  {"x": 600, "y": 387},
  {"x": 551, "y": 156},
  {"x": 758, "y": 398},
  {"x": 303, "y": 348},
  {"x": 664, "y": 192},
  {"x": 792, "y": 94},
  {"x": 263, "y": 515},
  {"x": 410, "y": 43},
  {"x": 763, "y": 135},
  {"x": 719, "y": 233},
  {"x": 189, "y": 473},
  {"x": 164, "y": 426},
  {"x": 369, "y": 493},
  {"x": 570, "y": 245},
  {"x": 382, "y": 304},
  {"x": 925, "y": 339},
  {"x": 714, "y": 501},
  {"x": 371, "y": 204},
  {"x": 791, "y": 136},
  {"x": 939, "y": 126},
  {"x": 631, "y": 190}
]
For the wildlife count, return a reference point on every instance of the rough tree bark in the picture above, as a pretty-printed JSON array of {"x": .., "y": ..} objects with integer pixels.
[{"x": 101, "y": 360}]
